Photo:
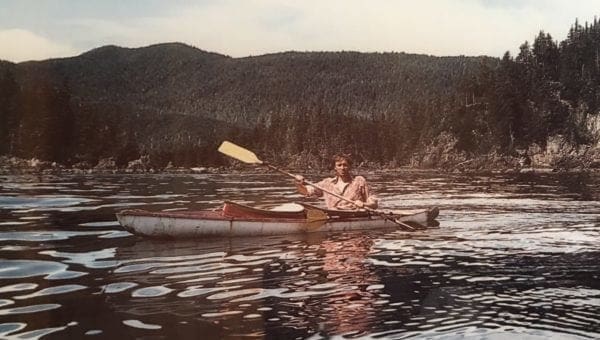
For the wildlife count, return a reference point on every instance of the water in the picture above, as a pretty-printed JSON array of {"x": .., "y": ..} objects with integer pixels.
[{"x": 513, "y": 257}]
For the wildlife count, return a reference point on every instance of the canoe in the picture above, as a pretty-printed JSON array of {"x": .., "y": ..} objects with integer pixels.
[{"x": 240, "y": 220}]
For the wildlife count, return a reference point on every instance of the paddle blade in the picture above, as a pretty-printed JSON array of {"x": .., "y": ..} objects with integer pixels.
[
  {"x": 315, "y": 219},
  {"x": 313, "y": 215},
  {"x": 239, "y": 153}
]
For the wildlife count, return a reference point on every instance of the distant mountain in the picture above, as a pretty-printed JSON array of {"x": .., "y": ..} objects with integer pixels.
[
  {"x": 179, "y": 79},
  {"x": 148, "y": 77},
  {"x": 173, "y": 98}
]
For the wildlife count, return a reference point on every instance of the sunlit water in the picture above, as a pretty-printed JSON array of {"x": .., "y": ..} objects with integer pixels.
[{"x": 514, "y": 257}]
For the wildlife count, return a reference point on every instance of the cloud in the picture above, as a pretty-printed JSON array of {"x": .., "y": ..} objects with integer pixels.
[
  {"x": 438, "y": 27},
  {"x": 254, "y": 27},
  {"x": 257, "y": 27},
  {"x": 21, "y": 45}
]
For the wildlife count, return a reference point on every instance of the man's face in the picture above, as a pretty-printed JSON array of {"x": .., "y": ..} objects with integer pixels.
[{"x": 342, "y": 168}]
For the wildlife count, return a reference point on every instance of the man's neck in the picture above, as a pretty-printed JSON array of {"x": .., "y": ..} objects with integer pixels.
[{"x": 345, "y": 179}]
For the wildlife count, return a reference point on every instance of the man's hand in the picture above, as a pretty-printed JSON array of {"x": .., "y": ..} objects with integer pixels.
[
  {"x": 299, "y": 181},
  {"x": 359, "y": 204}
]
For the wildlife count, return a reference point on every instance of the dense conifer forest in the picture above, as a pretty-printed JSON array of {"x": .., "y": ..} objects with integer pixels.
[{"x": 175, "y": 103}]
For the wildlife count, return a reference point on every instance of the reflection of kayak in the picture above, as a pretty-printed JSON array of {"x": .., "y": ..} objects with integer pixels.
[{"x": 240, "y": 220}]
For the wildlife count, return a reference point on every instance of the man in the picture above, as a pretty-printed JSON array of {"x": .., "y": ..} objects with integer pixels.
[{"x": 354, "y": 188}]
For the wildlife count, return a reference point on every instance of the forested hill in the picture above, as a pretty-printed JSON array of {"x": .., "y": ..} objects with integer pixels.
[{"x": 175, "y": 103}]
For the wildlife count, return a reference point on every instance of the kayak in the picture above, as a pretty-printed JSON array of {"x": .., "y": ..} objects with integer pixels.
[{"x": 240, "y": 220}]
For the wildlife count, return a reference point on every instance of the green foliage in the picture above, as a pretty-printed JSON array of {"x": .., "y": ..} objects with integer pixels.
[
  {"x": 548, "y": 89},
  {"x": 8, "y": 96}
]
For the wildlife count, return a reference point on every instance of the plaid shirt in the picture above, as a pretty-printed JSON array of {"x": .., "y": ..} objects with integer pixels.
[{"x": 357, "y": 189}]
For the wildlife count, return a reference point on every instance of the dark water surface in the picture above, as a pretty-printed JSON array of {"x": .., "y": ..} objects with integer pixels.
[{"x": 514, "y": 257}]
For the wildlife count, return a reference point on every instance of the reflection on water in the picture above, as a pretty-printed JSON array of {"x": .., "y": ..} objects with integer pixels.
[{"x": 513, "y": 256}]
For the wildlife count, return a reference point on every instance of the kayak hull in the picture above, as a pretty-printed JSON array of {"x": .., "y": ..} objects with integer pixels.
[{"x": 231, "y": 223}]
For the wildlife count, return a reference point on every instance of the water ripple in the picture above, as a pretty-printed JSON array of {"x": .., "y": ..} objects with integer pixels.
[
  {"x": 29, "y": 309},
  {"x": 118, "y": 287},
  {"x": 41, "y": 202},
  {"x": 151, "y": 291},
  {"x": 91, "y": 259},
  {"x": 19, "y": 269},
  {"x": 141, "y": 325},
  {"x": 18, "y": 287},
  {"x": 42, "y": 236},
  {"x": 52, "y": 291}
]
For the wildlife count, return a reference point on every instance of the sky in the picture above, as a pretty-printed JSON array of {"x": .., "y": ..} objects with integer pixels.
[{"x": 42, "y": 29}]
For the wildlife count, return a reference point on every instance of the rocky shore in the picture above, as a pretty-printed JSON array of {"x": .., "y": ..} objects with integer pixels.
[
  {"x": 557, "y": 156},
  {"x": 19, "y": 166},
  {"x": 448, "y": 161}
]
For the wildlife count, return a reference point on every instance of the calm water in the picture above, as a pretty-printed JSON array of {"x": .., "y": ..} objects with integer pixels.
[{"x": 514, "y": 257}]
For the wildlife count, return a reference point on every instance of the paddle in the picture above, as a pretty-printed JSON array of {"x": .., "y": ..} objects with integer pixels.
[{"x": 248, "y": 157}]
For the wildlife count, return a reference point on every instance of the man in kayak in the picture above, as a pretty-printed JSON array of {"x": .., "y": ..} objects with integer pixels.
[{"x": 354, "y": 188}]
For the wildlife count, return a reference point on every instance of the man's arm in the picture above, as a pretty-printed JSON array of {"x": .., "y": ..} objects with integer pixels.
[
  {"x": 370, "y": 199},
  {"x": 307, "y": 190}
]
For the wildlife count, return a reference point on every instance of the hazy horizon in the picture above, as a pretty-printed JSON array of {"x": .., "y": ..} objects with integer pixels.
[{"x": 39, "y": 30}]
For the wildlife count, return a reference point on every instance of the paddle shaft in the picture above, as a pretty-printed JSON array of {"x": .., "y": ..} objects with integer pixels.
[{"x": 382, "y": 214}]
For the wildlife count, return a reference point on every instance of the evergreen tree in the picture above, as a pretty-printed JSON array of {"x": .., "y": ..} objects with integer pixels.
[
  {"x": 546, "y": 55},
  {"x": 8, "y": 110}
]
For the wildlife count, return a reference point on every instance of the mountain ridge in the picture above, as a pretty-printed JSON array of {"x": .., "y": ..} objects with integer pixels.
[{"x": 119, "y": 88}]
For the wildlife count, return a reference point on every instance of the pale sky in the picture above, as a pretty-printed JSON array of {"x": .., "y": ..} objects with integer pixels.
[{"x": 42, "y": 29}]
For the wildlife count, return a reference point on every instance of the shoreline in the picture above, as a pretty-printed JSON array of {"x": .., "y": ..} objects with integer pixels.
[{"x": 15, "y": 166}]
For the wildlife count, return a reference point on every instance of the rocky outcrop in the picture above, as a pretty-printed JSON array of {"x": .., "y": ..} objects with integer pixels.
[
  {"x": 557, "y": 155},
  {"x": 561, "y": 155},
  {"x": 14, "y": 165}
]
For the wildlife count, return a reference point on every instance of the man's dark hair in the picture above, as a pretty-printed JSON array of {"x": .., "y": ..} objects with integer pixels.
[{"x": 340, "y": 157}]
